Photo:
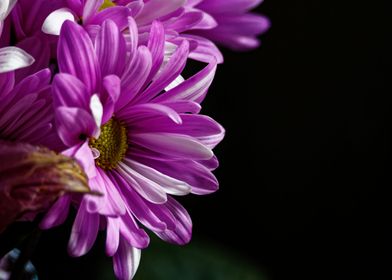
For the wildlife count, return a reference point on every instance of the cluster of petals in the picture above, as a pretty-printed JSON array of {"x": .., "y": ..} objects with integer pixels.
[{"x": 103, "y": 82}]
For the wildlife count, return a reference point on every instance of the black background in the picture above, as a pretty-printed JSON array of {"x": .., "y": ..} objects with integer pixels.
[
  {"x": 305, "y": 164},
  {"x": 306, "y": 160}
]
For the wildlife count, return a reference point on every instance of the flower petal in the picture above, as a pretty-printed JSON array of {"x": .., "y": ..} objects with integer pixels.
[
  {"x": 112, "y": 235},
  {"x": 74, "y": 125},
  {"x": 96, "y": 109},
  {"x": 12, "y": 58},
  {"x": 54, "y": 21},
  {"x": 146, "y": 188},
  {"x": 169, "y": 184},
  {"x": 57, "y": 214},
  {"x": 126, "y": 261},
  {"x": 76, "y": 55},
  {"x": 167, "y": 74},
  {"x": 69, "y": 91},
  {"x": 84, "y": 232},
  {"x": 194, "y": 88},
  {"x": 110, "y": 48},
  {"x": 182, "y": 234},
  {"x": 154, "y": 9},
  {"x": 176, "y": 145}
]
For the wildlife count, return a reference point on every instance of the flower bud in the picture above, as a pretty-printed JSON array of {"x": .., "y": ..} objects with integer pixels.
[{"x": 32, "y": 178}]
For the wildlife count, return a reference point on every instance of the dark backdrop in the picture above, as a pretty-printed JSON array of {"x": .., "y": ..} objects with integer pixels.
[
  {"x": 307, "y": 152},
  {"x": 306, "y": 157}
]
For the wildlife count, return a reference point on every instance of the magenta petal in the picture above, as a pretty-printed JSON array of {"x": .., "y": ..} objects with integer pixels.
[
  {"x": 112, "y": 86},
  {"x": 168, "y": 73},
  {"x": 84, "y": 232},
  {"x": 134, "y": 114},
  {"x": 194, "y": 88},
  {"x": 228, "y": 6},
  {"x": 154, "y": 9},
  {"x": 90, "y": 8},
  {"x": 57, "y": 214},
  {"x": 112, "y": 235},
  {"x": 156, "y": 45},
  {"x": 39, "y": 49},
  {"x": 131, "y": 232},
  {"x": 182, "y": 234},
  {"x": 146, "y": 188},
  {"x": 195, "y": 174},
  {"x": 206, "y": 50},
  {"x": 110, "y": 49},
  {"x": 119, "y": 15},
  {"x": 126, "y": 261},
  {"x": 137, "y": 205},
  {"x": 74, "y": 125},
  {"x": 176, "y": 145},
  {"x": 7, "y": 82},
  {"x": 183, "y": 106},
  {"x": 110, "y": 203},
  {"x": 69, "y": 91},
  {"x": 135, "y": 76},
  {"x": 76, "y": 55},
  {"x": 84, "y": 156}
]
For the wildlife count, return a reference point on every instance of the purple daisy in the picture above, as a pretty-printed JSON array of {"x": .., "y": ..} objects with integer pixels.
[{"x": 134, "y": 125}]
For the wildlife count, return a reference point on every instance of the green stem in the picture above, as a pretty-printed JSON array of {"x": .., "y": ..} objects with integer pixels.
[{"x": 27, "y": 251}]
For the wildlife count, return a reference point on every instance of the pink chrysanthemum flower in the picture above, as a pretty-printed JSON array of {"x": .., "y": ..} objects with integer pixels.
[{"x": 137, "y": 132}]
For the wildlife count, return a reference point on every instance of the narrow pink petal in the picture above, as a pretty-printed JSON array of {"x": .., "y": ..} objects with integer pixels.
[
  {"x": 112, "y": 235},
  {"x": 137, "y": 205},
  {"x": 154, "y": 9},
  {"x": 109, "y": 97},
  {"x": 146, "y": 188},
  {"x": 110, "y": 48},
  {"x": 84, "y": 232},
  {"x": 126, "y": 261},
  {"x": 177, "y": 145},
  {"x": 169, "y": 184},
  {"x": 74, "y": 125},
  {"x": 156, "y": 44},
  {"x": 194, "y": 88},
  {"x": 76, "y": 55},
  {"x": 183, "y": 232},
  {"x": 110, "y": 203},
  {"x": 135, "y": 76},
  {"x": 57, "y": 214},
  {"x": 69, "y": 91},
  {"x": 133, "y": 114},
  {"x": 90, "y": 8},
  {"x": 167, "y": 74}
]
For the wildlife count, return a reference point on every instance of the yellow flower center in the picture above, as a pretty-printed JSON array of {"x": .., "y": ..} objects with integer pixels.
[
  {"x": 112, "y": 144},
  {"x": 107, "y": 4}
]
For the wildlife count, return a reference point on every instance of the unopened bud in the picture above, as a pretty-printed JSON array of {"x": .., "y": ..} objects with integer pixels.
[{"x": 32, "y": 178}]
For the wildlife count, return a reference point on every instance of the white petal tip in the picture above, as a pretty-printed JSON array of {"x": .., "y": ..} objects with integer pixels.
[{"x": 54, "y": 21}]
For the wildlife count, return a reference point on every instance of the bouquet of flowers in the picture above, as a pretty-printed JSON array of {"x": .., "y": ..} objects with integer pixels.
[{"x": 97, "y": 115}]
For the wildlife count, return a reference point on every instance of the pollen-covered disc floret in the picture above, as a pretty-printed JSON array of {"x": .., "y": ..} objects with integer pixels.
[
  {"x": 107, "y": 4},
  {"x": 112, "y": 144}
]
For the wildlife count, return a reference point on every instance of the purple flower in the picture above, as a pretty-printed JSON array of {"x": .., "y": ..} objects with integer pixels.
[
  {"x": 236, "y": 28},
  {"x": 133, "y": 123}
]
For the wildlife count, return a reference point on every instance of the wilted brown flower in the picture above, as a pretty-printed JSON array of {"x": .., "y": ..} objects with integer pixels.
[{"x": 32, "y": 178}]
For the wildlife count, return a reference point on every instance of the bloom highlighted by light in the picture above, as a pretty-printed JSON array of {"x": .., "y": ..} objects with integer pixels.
[{"x": 138, "y": 143}]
